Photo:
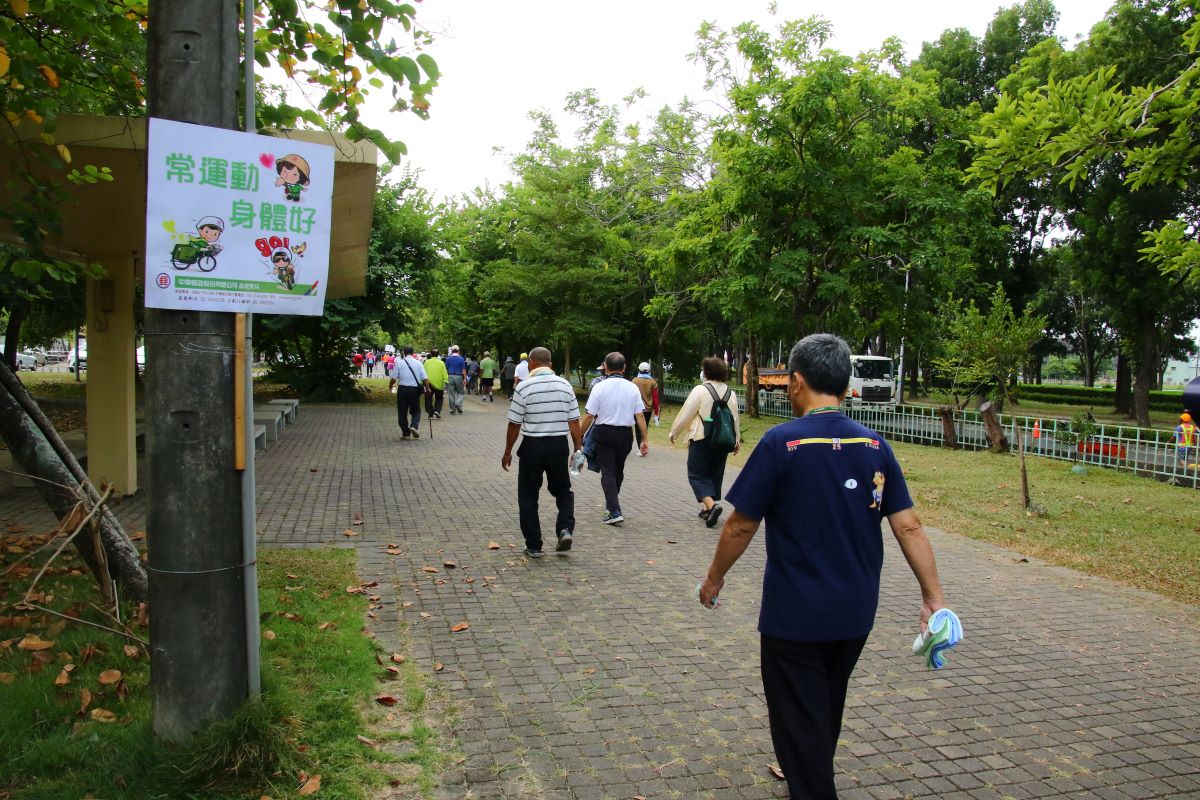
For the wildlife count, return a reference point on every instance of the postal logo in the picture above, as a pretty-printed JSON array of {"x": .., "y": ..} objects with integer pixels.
[{"x": 163, "y": 280}]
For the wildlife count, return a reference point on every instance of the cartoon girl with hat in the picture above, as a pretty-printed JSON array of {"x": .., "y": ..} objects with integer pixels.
[{"x": 293, "y": 176}]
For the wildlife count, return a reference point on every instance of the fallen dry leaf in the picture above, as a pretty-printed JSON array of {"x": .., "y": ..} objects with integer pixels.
[
  {"x": 426, "y": 615},
  {"x": 109, "y": 676},
  {"x": 392, "y": 671},
  {"x": 85, "y": 700},
  {"x": 349, "y": 532},
  {"x": 311, "y": 786},
  {"x": 369, "y": 584},
  {"x": 448, "y": 564},
  {"x": 430, "y": 569},
  {"x": 132, "y": 650},
  {"x": 324, "y": 626},
  {"x": 355, "y": 590},
  {"x": 385, "y": 700},
  {"x": 64, "y": 677},
  {"x": 269, "y": 635},
  {"x": 776, "y": 771},
  {"x": 438, "y": 666},
  {"x": 391, "y": 551},
  {"x": 368, "y": 742},
  {"x": 650, "y": 562},
  {"x": 406, "y": 604},
  {"x": 7, "y": 677},
  {"x": 103, "y": 715},
  {"x": 399, "y": 659},
  {"x": 462, "y": 626},
  {"x": 34, "y": 642},
  {"x": 291, "y": 576},
  {"x": 493, "y": 545}
]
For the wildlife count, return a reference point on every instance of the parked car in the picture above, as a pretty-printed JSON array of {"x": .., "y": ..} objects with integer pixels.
[
  {"x": 82, "y": 360},
  {"x": 26, "y": 361}
]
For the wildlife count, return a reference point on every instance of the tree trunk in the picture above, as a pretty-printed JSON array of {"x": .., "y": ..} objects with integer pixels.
[
  {"x": 1147, "y": 371},
  {"x": 752, "y": 378},
  {"x": 12, "y": 333},
  {"x": 1087, "y": 359},
  {"x": 914, "y": 377},
  {"x": 1124, "y": 403},
  {"x": 61, "y": 482},
  {"x": 949, "y": 436},
  {"x": 567, "y": 359},
  {"x": 660, "y": 371},
  {"x": 995, "y": 431}
]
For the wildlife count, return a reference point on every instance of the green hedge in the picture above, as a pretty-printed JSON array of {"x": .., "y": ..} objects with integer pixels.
[{"x": 1096, "y": 396}]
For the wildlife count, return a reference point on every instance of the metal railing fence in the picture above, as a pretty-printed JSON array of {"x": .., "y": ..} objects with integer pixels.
[{"x": 1141, "y": 451}]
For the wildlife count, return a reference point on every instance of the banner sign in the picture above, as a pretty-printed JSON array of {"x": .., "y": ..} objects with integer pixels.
[{"x": 236, "y": 221}]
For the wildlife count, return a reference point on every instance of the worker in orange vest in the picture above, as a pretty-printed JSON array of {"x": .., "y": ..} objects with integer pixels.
[{"x": 1186, "y": 436}]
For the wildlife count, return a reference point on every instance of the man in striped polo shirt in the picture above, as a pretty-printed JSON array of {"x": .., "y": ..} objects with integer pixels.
[{"x": 545, "y": 410}]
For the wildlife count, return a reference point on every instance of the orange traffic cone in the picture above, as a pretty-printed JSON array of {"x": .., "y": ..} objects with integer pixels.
[{"x": 1037, "y": 429}]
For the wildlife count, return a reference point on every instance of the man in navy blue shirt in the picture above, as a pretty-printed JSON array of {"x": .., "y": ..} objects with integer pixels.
[
  {"x": 456, "y": 365},
  {"x": 823, "y": 483}
]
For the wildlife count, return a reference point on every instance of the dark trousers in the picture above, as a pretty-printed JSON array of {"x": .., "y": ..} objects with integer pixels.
[
  {"x": 705, "y": 469},
  {"x": 805, "y": 684},
  {"x": 506, "y": 386},
  {"x": 408, "y": 406},
  {"x": 537, "y": 455},
  {"x": 433, "y": 401},
  {"x": 637, "y": 432},
  {"x": 613, "y": 443}
]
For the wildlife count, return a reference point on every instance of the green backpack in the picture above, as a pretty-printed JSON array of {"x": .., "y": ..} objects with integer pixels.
[{"x": 719, "y": 430}]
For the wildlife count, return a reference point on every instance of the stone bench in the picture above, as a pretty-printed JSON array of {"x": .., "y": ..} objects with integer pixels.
[
  {"x": 291, "y": 408},
  {"x": 272, "y": 420},
  {"x": 260, "y": 437}
]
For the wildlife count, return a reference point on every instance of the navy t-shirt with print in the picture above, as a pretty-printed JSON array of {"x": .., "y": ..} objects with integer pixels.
[{"x": 823, "y": 483}]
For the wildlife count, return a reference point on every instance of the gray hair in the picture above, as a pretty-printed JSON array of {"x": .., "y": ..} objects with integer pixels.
[
  {"x": 539, "y": 355},
  {"x": 823, "y": 360}
]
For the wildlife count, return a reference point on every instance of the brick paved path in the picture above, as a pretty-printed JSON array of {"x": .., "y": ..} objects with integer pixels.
[{"x": 598, "y": 676}]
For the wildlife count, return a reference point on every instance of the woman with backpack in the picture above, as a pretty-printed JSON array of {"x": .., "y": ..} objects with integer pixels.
[{"x": 710, "y": 417}]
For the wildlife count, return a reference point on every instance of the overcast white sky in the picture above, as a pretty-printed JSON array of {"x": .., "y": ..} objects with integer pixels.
[{"x": 501, "y": 59}]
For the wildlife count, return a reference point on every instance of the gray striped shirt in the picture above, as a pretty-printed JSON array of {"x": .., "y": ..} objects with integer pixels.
[{"x": 543, "y": 405}]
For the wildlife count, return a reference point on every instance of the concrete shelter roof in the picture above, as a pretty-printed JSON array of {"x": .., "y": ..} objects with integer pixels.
[{"x": 109, "y": 218}]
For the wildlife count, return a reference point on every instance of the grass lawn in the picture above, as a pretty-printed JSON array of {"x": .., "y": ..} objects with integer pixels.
[
  {"x": 1137, "y": 531},
  {"x": 75, "y": 717}
]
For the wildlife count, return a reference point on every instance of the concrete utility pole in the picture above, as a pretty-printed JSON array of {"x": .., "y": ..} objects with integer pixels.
[{"x": 197, "y": 606}]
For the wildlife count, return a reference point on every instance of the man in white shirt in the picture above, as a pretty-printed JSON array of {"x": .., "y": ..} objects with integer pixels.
[
  {"x": 522, "y": 372},
  {"x": 615, "y": 406},
  {"x": 410, "y": 380},
  {"x": 545, "y": 410}
]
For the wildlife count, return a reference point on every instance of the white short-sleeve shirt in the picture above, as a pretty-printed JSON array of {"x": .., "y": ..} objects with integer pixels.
[{"x": 615, "y": 401}]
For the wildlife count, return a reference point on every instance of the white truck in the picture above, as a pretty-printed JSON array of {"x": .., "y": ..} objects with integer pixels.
[{"x": 872, "y": 380}]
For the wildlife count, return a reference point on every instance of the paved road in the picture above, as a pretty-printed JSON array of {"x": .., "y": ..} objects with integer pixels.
[{"x": 597, "y": 676}]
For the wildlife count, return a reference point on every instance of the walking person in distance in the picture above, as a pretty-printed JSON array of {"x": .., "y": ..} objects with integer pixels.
[
  {"x": 706, "y": 459},
  {"x": 456, "y": 368},
  {"x": 410, "y": 380}
]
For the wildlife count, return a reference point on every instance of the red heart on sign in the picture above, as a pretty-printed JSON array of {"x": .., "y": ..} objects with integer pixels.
[{"x": 267, "y": 160}]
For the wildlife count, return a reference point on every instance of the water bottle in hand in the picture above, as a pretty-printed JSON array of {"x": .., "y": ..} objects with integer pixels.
[{"x": 577, "y": 460}]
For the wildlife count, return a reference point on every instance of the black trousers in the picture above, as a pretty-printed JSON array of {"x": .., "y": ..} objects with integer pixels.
[
  {"x": 805, "y": 684},
  {"x": 538, "y": 455},
  {"x": 637, "y": 432},
  {"x": 613, "y": 443},
  {"x": 433, "y": 401},
  {"x": 705, "y": 469},
  {"x": 408, "y": 406}
]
